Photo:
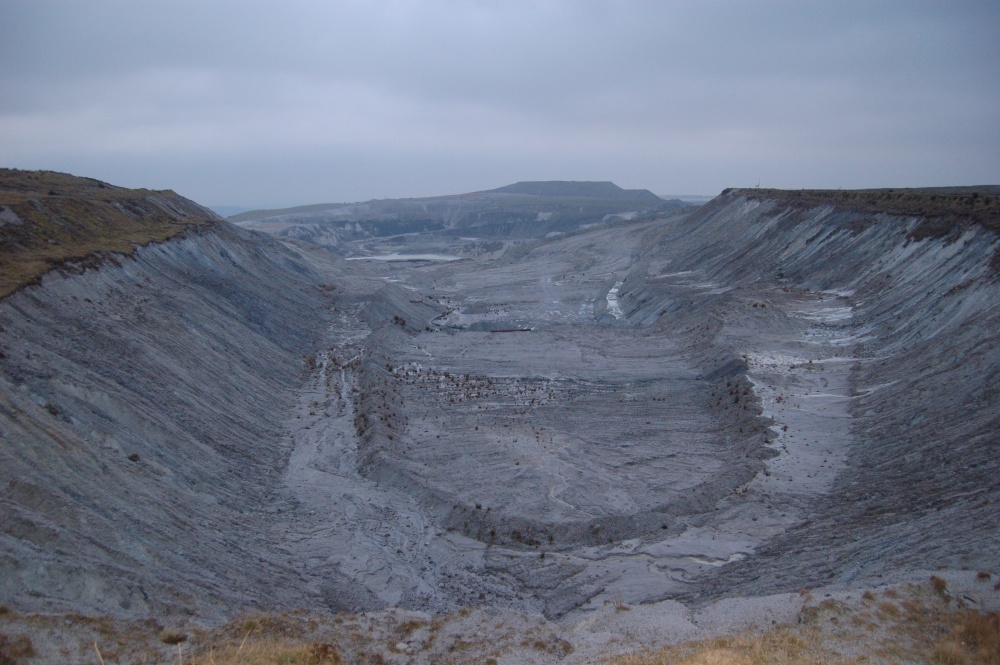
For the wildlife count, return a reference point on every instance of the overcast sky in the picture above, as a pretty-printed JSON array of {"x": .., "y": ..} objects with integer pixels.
[{"x": 267, "y": 104}]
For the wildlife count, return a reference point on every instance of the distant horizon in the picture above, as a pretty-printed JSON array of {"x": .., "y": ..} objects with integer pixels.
[
  {"x": 230, "y": 209},
  {"x": 237, "y": 209},
  {"x": 243, "y": 208}
]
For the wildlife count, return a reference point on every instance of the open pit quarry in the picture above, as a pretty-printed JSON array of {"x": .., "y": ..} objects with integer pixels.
[{"x": 660, "y": 409}]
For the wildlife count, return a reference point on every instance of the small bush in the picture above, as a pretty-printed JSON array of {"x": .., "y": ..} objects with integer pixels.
[
  {"x": 323, "y": 654},
  {"x": 888, "y": 610},
  {"x": 15, "y": 648},
  {"x": 172, "y": 637},
  {"x": 621, "y": 605}
]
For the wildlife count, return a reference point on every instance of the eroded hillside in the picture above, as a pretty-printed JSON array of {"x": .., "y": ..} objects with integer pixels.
[
  {"x": 903, "y": 354},
  {"x": 142, "y": 397},
  {"x": 751, "y": 398}
]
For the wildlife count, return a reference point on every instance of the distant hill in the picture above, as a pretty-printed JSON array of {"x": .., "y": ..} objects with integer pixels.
[
  {"x": 515, "y": 212},
  {"x": 587, "y": 189},
  {"x": 604, "y": 191},
  {"x": 228, "y": 211}
]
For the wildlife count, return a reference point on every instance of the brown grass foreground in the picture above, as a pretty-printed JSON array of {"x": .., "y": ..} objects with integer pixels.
[
  {"x": 54, "y": 220},
  {"x": 918, "y": 623},
  {"x": 915, "y": 627},
  {"x": 271, "y": 653}
]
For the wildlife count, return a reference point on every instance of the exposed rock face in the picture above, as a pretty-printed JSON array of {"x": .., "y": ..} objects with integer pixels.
[
  {"x": 755, "y": 397},
  {"x": 141, "y": 411},
  {"x": 919, "y": 309}
]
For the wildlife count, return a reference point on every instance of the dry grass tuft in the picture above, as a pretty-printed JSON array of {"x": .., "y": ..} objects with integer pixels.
[
  {"x": 172, "y": 637},
  {"x": 718, "y": 657},
  {"x": 14, "y": 649},
  {"x": 981, "y": 632},
  {"x": 620, "y": 604},
  {"x": 271, "y": 652},
  {"x": 266, "y": 627},
  {"x": 780, "y": 646},
  {"x": 406, "y": 628},
  {"x": 887, "y": 610},
  {"x": 949, "y": 652}
]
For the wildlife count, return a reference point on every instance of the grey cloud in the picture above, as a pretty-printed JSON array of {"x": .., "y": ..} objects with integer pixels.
[{"x": 671, "y": 96}]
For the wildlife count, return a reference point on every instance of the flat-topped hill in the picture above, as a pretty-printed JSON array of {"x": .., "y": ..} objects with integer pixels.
[
  {"x": 50, "y": 220},
  {"x": 578, "y": 189},
  {"x": 517, "y": 212}
]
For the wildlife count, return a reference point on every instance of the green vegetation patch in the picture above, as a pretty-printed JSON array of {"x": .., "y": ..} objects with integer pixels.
[{"x": 54, "y": 220}]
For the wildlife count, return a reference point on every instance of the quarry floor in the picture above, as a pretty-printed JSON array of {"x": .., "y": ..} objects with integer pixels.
[
  {"x": 533, "y": 405},
  {"x": 547, "y": 468}
]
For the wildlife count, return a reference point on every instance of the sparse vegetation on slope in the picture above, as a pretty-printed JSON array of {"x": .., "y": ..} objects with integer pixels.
[
  {"x": 980, "y": 205},
  {"x": 54, "y": 220}
]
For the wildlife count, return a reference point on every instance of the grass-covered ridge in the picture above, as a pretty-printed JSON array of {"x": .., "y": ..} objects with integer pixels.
[
  {"x": 52, "y": 220},
  {"x": 980, "y": 204}
]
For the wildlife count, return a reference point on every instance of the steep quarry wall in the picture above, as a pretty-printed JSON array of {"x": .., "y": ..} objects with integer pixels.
[
  {"x": 912, "y": 305},
  {"x": 788, "y": 392},
  {"x": 141, "y": 411}
]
